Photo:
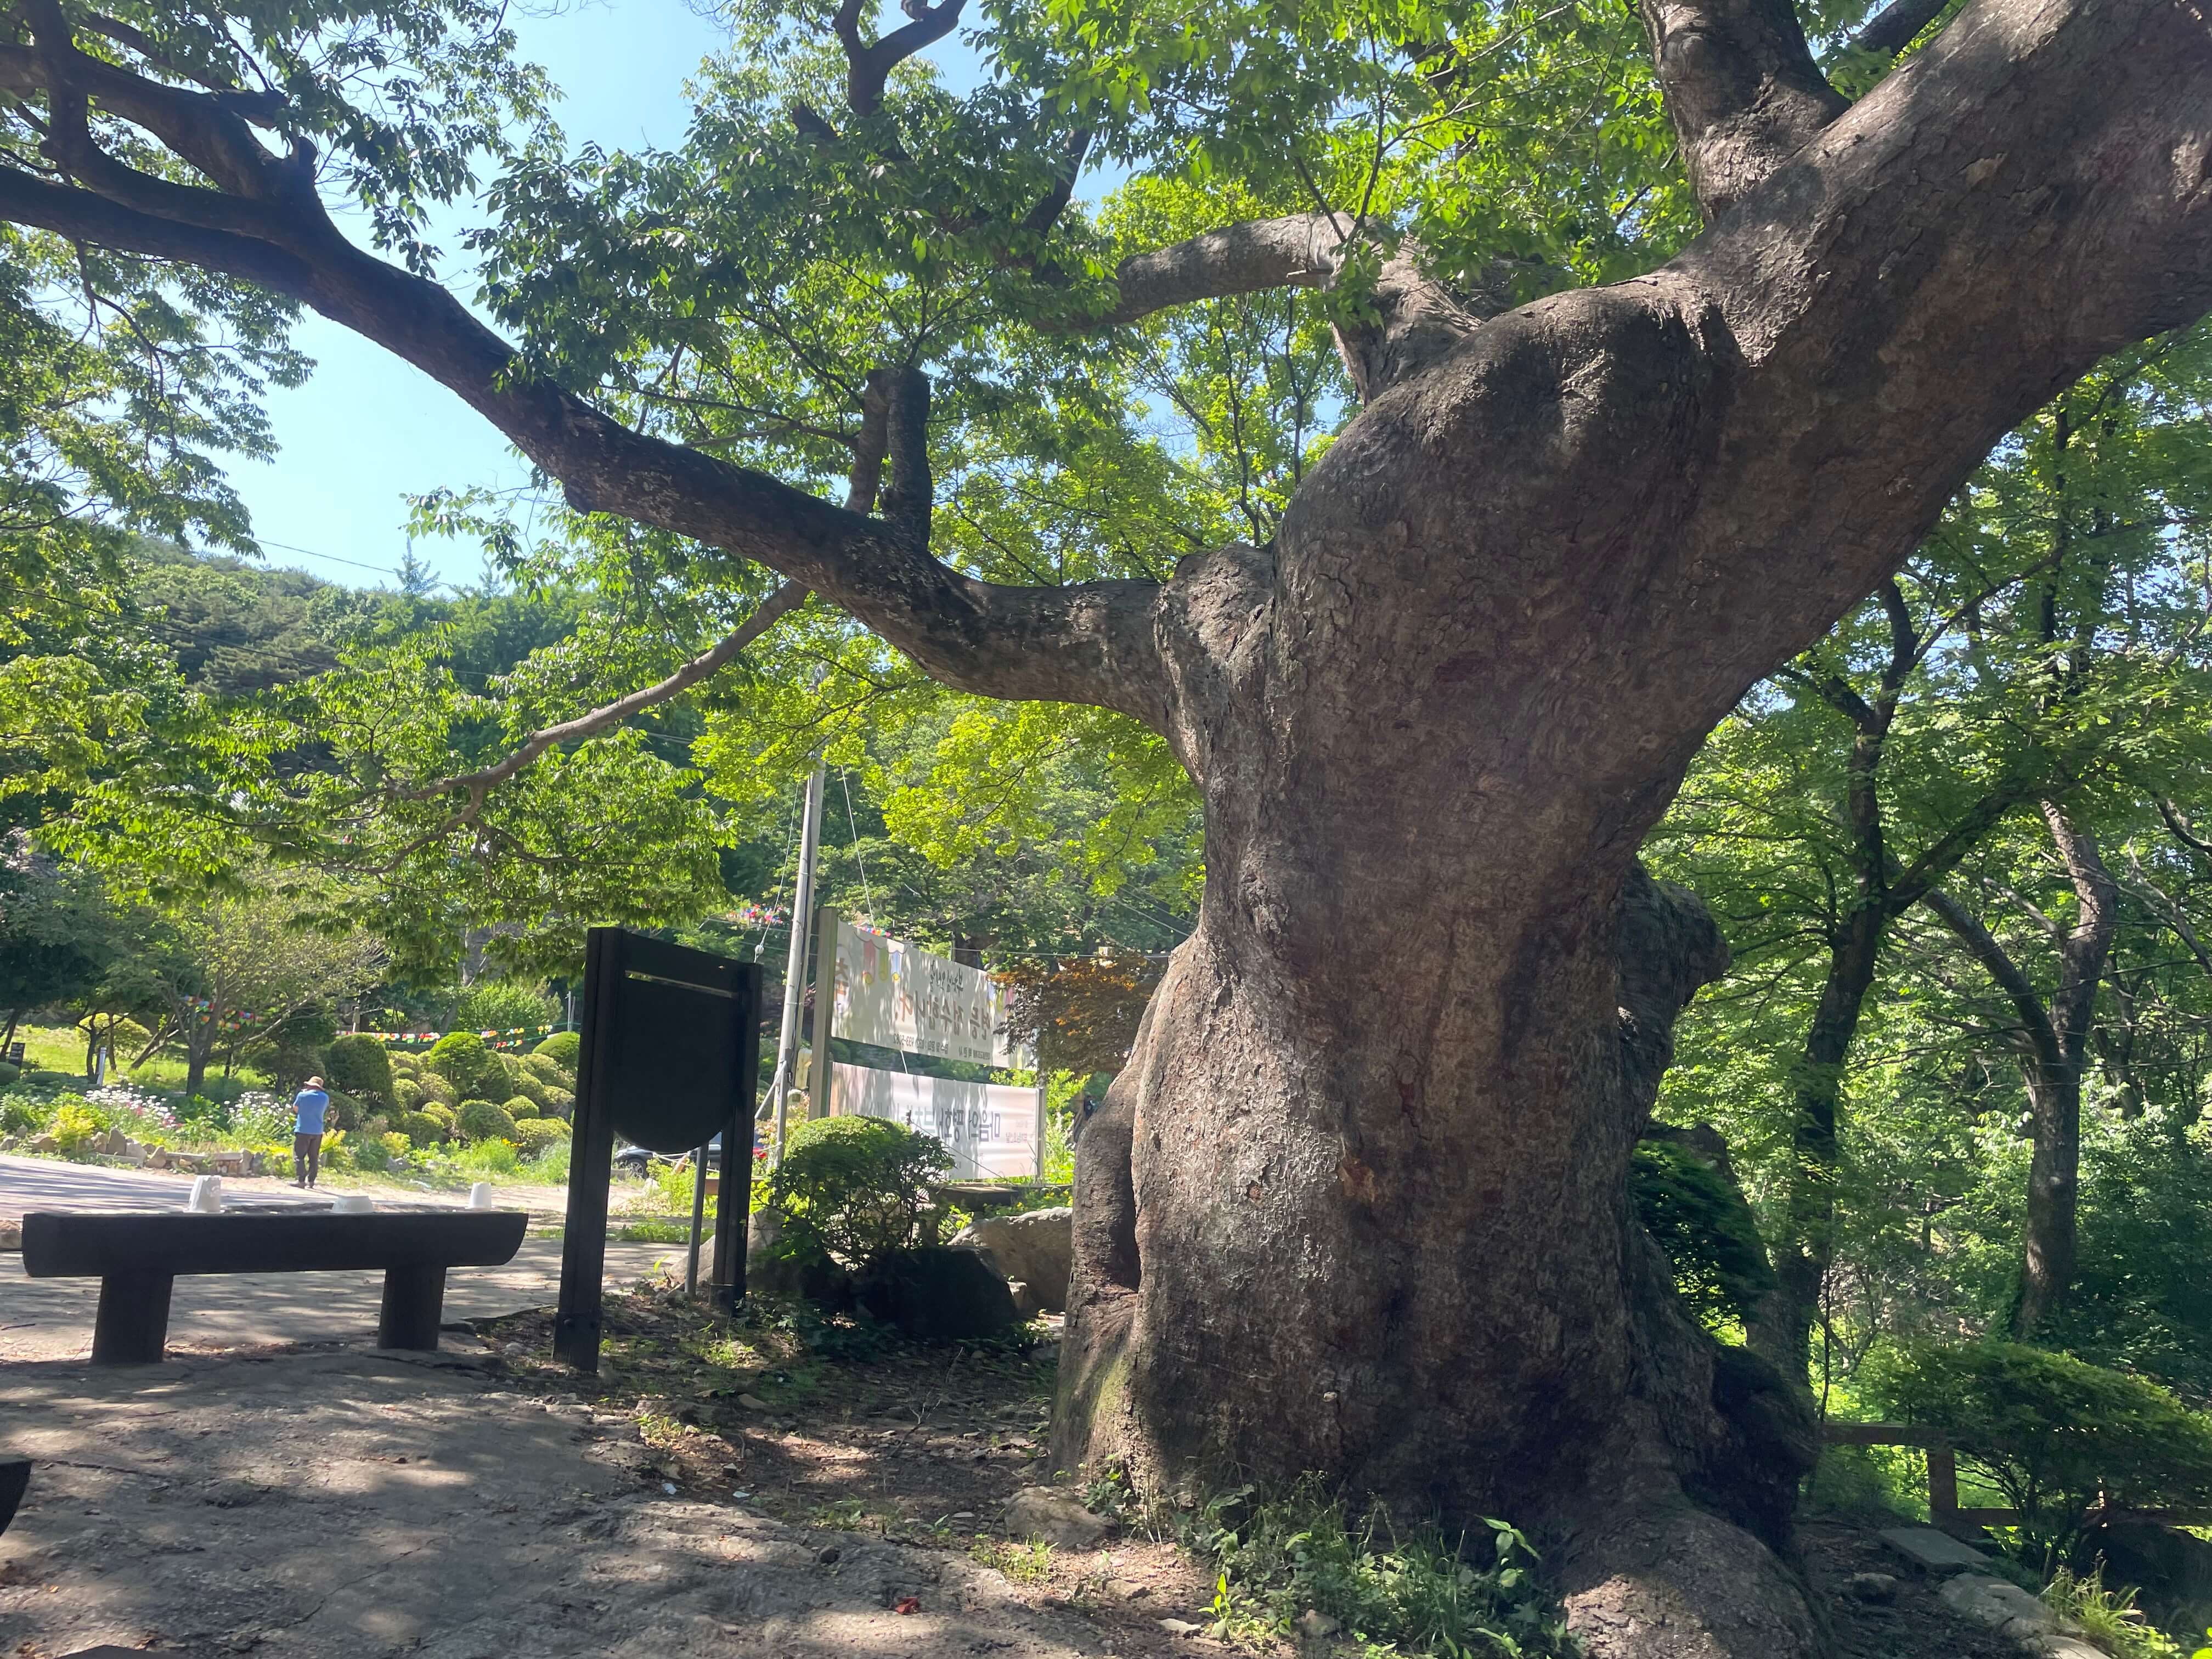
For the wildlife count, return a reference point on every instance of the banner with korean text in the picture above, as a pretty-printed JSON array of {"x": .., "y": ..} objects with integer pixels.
[{"x": 989, "y": 1128}]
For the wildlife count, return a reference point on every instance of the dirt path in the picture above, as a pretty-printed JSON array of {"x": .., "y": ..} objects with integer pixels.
[{"x": 352, "y": 1503}]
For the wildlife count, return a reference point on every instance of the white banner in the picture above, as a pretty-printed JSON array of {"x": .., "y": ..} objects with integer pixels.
[
  {"x": 990, "y": 1128},
  {"x": 896, "y": 995}
]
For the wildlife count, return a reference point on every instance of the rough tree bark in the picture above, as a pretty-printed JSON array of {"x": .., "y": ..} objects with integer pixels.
[
  {"x": 2052, "y": 1041},
  {"x": 1359, "y": 1203}
]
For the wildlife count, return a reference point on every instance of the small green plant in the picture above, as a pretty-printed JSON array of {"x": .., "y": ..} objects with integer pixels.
[
  {"x": 1422, "y": 1595},
  {"x": 854, "y": 1186},
  {"x": 2108, "y": 1618},
  {"x": 74, "y": 1125},
  {"x": 488, "y": 1157},
  {"x": 1024, "y": 1564},
  {"x": 520, "y": 1107},
  {"x": 2054, "y": 1434}
]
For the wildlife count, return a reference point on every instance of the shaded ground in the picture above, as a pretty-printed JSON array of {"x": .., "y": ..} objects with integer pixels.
[
  {"x": 781, "y": 1488},
  {"x": 1915, "y": 1623}
]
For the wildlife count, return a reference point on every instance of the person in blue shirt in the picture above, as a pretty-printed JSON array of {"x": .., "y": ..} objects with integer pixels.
[{"x": 308, "y": 1107}]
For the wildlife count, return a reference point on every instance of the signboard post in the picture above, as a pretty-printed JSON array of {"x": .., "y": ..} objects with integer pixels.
[{"x": 670, "y": 1059}]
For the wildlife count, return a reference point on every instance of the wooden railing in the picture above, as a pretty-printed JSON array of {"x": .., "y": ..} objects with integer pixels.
[{"x": 1943, "y": 1511}]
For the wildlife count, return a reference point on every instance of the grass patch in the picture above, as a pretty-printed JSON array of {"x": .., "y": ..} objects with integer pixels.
[
  {"x": 1024, "y": 1564},
  {"x": 2110, "y": 1618}
]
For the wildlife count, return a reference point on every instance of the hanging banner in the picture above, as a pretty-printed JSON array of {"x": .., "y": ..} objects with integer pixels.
[
  {"x": 990, "y": 1128},
  {"x": 897, "y": 995}
]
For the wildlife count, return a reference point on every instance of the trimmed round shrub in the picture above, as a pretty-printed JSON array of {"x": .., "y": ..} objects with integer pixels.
[
  {"x": 406, "y": 1093},
  {"x": 421, "y": 1128},
  {"x": 438, "y": 1113},
  {"x": 854, "y": 1187},
  {"x": 538, "y": 1133},
  {"x": 528, "y": 1085},
  {"x": 437, "y": 1091},
  {"x": 67, "y": 1080},
  {"x": 404, "y": 1063},
  {"x": 547, "y": 1070},
  {"x": 563, "y": 1048},
  {"x": 8, "y": 1072},
  {"x": 360, "y": 1066},
  {"x": 521, "y": 1107},
  {"x": 468, "y": 1063},
  {"x": 561, "y": 1102},
  {"x": 346, "y": 1112},
  {"x": 480, "y": 1120}
]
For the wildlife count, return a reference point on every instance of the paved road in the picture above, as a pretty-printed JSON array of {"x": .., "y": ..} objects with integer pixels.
[{"x": 51, "y": 1318}]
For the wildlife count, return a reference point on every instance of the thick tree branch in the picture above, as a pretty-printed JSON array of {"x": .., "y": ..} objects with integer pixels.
[
  {"x": 1742, "y": 90},
  {"x": 1089, "y": 643},
  {"x": 911, "y": 492},
  {"x": 1894, "y": 28},
  {"x": 1302, "y": 249},
  {"x": 869, "y": 65},
  {"x": 478, "y": 785},
  {"x": 2019, "y": 989}
]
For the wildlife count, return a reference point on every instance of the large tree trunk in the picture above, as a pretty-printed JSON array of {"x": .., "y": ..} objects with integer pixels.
[{"x": 1359, "y": 1205}]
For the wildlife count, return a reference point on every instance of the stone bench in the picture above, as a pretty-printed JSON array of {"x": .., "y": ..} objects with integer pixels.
[{"x": 137, "y": 1257}]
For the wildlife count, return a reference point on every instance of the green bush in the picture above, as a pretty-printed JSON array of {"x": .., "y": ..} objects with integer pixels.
[
  {"x": 521, "y": 1108},
  {"x": 2051, "y": 1432},
  {"x": 8, "y": 1072},
  {"x": 854, "y": 1187},
  {"x": 546, "y": 1069},
  {"x": 437, "y": 1091},
  {"x": 560, "y": 1103},
  {"x": 406, "y": 1093},
  {"x": 422, "y": 1129},
  {"x": 488, "y": 1157},
  {"x": 360, "y": 1066},
  {"x": 503, "y": 1005},
  {"x": 535, "y": 1134},
  {"x": 528, "y": 1085},
  {"x": 19, "y": 1117},
  {"x": 346, "y": 1112},
  {"x": 1706, "y": 1229},
  {"x": 61, "y": 1079},
  {"x": 482, "y": 1120},
  {"x": 468, "y": 1063},
  {"x": 563, "y": 1049},
  {"x": 444, "y": 1115},
  {"x": 402, "y": 1063},
  {"x": 75, "y": 1124}
]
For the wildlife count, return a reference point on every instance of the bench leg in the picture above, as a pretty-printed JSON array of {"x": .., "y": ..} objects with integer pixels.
[
  {"x": 132, "y": 1327},
  {"x": 414, "y": 1301}
]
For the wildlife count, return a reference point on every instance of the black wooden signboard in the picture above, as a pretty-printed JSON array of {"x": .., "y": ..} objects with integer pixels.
[{"x": 671, "y": 1051}]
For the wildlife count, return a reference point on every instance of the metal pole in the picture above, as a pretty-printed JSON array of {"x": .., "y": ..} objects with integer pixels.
[
  {"x": 698, "y": 1217},
  {"x": 795, "y": 972},
  {"x": 1043, "y": 1108}
]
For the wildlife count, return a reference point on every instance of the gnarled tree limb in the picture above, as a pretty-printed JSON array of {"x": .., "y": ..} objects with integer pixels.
[
  {"x": 1741, "y": 88},
  {"x": 869, "y": 64},
  {"x": 1089, "y": 643},
  {"x": 1894, "y": 28}
]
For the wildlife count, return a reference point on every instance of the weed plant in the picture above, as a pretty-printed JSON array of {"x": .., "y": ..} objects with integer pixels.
[{"x": 1424, "y": 1593}]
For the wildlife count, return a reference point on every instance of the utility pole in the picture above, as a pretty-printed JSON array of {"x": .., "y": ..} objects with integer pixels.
[{"x": 794, "y": 973}]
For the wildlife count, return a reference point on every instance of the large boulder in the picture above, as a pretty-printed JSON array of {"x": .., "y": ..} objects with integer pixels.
[
  {"x": 937, "y": 1294},
  {"x": 1036, "y": 1248}
]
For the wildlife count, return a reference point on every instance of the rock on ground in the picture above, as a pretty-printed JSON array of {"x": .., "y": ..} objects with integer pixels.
[
  {"x": 1036, "y": 1249},
  {"x": 354, "y": 1503},
  {"x": 1033, "y": 1512}
]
